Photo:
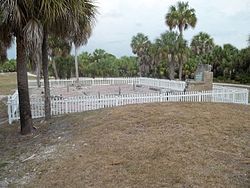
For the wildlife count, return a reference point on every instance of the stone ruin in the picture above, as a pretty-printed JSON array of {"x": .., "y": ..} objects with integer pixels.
[{"x": 203, "y": 80}]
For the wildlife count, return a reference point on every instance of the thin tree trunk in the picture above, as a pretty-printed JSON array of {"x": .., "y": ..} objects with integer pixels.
[
  {"x": 45, "y": 63},
  {"x": 181, "y": 63},
  {"x": 3, "y": 53},
  {"x": 171, "y": 67},
  {"x": 181, "y": 31},
  {"x": 23, "y": 90},
  {"x": 38, "y": 76},
  {"x": 171, "y": 71},
  {"x": 76, "y": 66},
  {"x": 180, "y": 70},
  {"x": 54, "y": 68},
  {"x": 140, "y": 66},
  {"x": 38, "y": 69}
]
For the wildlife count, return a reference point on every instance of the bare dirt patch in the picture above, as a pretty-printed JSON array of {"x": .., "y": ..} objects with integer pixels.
[
  {"x": 152, "y": 145},
  {"x": 72, "y": 91}
]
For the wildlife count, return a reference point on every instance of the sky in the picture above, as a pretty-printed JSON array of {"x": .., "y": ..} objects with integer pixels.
[{"x": 226, "y": 21}]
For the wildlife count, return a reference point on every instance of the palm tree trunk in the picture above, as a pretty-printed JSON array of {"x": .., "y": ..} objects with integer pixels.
[
  {"x": 180, "y": 70},
  {"x": 45, "y": 63},
  {"x": 171, "y": 71},
  {"x": 23, "y": 90},
  {"x": 181, "y": 60},
  {"x": 76, "y": 66},
  {"x": 54, "y": 68},
  {"x": 38, "y": 69},
  {"x": 171, "y": 67},
  {"x": 181, "y": 31},
  {"x": 3, "y": 52}
]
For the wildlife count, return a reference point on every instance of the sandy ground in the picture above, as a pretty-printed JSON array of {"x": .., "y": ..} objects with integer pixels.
[
  {"x": 152, "y": 145},
  {"x": 94, "y": 90}
]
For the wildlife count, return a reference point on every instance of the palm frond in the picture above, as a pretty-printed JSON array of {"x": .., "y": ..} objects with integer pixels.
[{"x": 33, "y": 32}]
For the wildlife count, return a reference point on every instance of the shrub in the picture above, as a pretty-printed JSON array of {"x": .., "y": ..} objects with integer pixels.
[
  {"x": 8, "y": 66},
  {"x": 243, "y": 78},
  {"x": 65, "y": 66}
]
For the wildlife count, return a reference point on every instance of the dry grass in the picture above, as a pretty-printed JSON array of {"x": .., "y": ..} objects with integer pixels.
[
  {"x": 8, "y": 83},
  {"x": 153, "y": 145}
]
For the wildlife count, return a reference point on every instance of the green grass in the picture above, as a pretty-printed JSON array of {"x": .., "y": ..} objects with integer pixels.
[{"x": 8, "y": 83}]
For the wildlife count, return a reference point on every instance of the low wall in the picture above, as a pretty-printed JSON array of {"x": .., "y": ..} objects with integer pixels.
[{"x": 206, "y": 85}]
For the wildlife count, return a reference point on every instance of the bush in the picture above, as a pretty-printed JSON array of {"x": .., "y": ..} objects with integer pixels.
[
  {"x": 8, "y": 66},
  {"x": 243, "y": 78},
  {"x": 65, "y": 66}
]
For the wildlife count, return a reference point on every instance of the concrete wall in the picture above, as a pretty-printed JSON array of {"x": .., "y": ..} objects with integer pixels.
[{"x": 205, "y": 85}]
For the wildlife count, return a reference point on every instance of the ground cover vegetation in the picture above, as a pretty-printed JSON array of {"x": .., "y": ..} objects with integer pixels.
[{"x": 150, "y": 145}]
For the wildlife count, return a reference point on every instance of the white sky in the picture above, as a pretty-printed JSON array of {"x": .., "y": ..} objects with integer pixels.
[{"x": 227, "y": 21}]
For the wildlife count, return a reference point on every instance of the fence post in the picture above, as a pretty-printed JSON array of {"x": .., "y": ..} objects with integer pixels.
[
  {"x": 247, "y": 96},
  {"x": 160, "y": 97},
  {"x": 199, "y": 96},
  {"x": 66, "y": 105},
  {"x": 9, "y": 109},
  {"x": 233, "y": 96},
  {"x": 116, "y": 101}
]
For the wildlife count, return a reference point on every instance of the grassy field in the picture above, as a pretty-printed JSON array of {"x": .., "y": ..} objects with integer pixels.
[
  {"x": 152, "y": 145},
  {"x": 8, "y": 83}
]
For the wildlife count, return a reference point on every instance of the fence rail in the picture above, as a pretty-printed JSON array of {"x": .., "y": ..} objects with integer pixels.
[{"x": 62, "y": 105}]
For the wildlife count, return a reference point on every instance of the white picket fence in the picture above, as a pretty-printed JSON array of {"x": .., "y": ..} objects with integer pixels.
[
  {"x": 86, "y": 103},
  {"x": 13, "y": 107},
  {"x": 168, "y": 84}
]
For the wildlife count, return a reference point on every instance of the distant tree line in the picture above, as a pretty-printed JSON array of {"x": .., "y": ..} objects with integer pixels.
[
  {"x": 96, "y": 64},
  {"x": 154, "y": 59},
  {"x": 161, "y": 57},
  {"x": 170, "y": 53}
]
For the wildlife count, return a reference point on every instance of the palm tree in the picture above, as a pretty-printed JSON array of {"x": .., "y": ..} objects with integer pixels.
[
  {"x": 181, "y": 16},
  {"x": 100, "y": 54},
  {"x": 14, "y": 22},
  {"x": 153, "y": 53},
  {"x": 230, "y": 57},
  {"x": 168, "y": 50},
  {"x": 73, "y": 17},
  {"x": 202, "y": 44},
  {"x": 34, "y": 37},
  {"x": 58, "y": 47},
  {"x": 183, "y": 53},
  {"x": 216, "y": 58},
  {"x": 5, "y": 42},
  {"x": 80, "y": 37},
  {"x": 43, "y": 16},
  {"x": 140, "y": 46},
  {"x": 60, "y": 17}
]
